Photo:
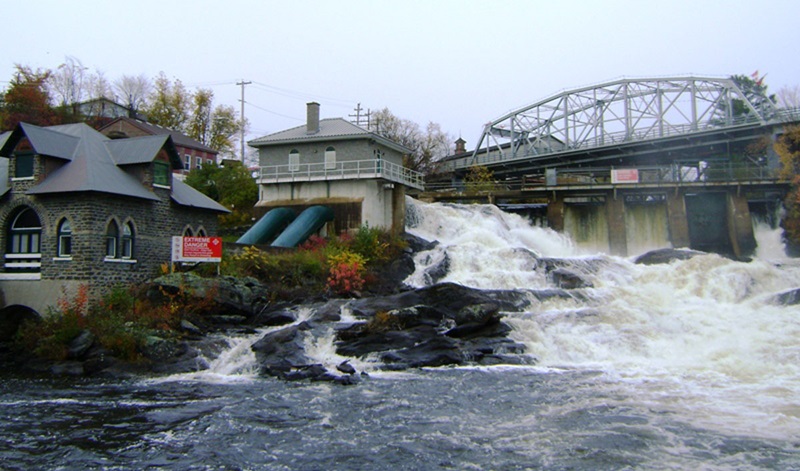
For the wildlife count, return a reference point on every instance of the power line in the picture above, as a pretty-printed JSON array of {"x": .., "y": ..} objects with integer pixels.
[{"x": 301, "y": 95}]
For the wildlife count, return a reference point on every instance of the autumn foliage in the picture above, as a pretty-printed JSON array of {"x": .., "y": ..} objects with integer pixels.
[{"x": 787, "y": 147}]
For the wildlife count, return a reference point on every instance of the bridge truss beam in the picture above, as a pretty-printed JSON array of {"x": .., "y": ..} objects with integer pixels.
[{"x": 618, "y": 112}]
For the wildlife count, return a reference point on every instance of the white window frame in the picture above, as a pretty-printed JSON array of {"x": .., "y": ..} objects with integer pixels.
[
  {"x": 330, "y": 158},
  {"x": 294, "y": 161}
]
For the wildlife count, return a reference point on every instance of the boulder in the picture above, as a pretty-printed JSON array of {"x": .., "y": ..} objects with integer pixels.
[
  {"x": 788, "y": 298},
  {"x": 229, "y": 295},
  {"x": 661, "y": 256},
  {"x": 78, "y": 347}
]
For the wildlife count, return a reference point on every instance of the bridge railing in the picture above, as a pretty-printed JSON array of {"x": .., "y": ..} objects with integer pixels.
[{"x": 714, "y": 172}]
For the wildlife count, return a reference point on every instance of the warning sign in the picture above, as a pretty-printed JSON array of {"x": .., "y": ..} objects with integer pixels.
[
  {"x": 196, "y": 249},
  {"x": 624, "y": 175}
]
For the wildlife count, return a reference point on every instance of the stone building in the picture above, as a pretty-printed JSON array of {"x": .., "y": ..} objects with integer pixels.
[
  {"x": 78, "y": 208},
  {"x": 332, "y": 162}
]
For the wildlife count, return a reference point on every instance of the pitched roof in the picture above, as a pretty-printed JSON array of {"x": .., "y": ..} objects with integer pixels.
[
  {"x": 330, "y": 129},
  {"x": 185, "y": 195},
  {"x": 178, "y": 138},
  {"x": 94, "y": 163}
]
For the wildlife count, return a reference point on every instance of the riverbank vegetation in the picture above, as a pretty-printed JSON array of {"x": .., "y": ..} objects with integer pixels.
[
  {"x": 127, "y": 320},
  {"x": 787, "y": 147}
]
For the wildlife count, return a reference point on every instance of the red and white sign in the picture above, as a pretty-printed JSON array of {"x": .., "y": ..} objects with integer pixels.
[
  {"x": 196, "y": 249},
  {"x": 624, "y": 175}
]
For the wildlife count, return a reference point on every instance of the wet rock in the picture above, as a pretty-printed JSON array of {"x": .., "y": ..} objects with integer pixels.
[
  {"x": 565, "y": 279},
  {"x": 190, "y": 328},
  {"x": 346, "y": 368},
  {"x": 162, "y": 350},
  {"x": 273, "y": 318},
  {"x": 80, "y": 344},
  {"x": 788, "y": 298},
  {"x": 67, "y": 368},
  {"x": 279, "y": 353},
  {"x": 662, "y": 256},
  {"x": 228, "y": 295}
]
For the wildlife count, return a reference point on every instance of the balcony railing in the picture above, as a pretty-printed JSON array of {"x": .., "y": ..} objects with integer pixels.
[{"x": 345, "y": 170}]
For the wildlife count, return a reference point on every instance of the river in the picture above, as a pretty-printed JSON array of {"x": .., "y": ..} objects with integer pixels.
[{"x": 689, "y": 365}]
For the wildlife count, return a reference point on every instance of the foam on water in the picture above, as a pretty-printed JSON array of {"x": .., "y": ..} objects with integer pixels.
[{"x": 703, "y": 338}]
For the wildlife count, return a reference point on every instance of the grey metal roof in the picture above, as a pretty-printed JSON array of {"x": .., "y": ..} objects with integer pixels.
[
  {"x": 3, "y": 172},
  {"x": 137, "y": 150},
  {"x": 93, "y": 164},
  {"x": 330, "y": 129},
  {"x": 185, "y": 195},
  {"x": 50, "y": 142},
  {"x": 92, "y": 167},
  {"x": 4, "y": 137}
]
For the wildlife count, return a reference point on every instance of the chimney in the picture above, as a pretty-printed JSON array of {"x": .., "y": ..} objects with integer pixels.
[
  {"x": 312, "y": 118},
  {"x": 460, "y": 146}
]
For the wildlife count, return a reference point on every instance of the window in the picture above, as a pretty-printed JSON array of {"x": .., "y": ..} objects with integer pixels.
[
  {"x": 209, "y": 162},
  {"x": 24, "y": 243},
  {"x": 198, "y": 162},
  {"x": 161, "y": 173},
  {"x": 112, "y": 238},
  {"x": 26, "y": 232},
  {"x": 127, "y": 240},
  {"x": 294, "y": 160},
  {"x": 187, "y": 232},
  {"x": 201, "y": 232},
  {"x": 187, "y": 163},
  {"x": 24, "y": 165},
  {"x": 64, "y": 238},
  {"x": 330, "y": 158}
]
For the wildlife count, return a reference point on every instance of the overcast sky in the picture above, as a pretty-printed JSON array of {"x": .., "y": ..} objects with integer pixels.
[{"x": 457, "y": 63}]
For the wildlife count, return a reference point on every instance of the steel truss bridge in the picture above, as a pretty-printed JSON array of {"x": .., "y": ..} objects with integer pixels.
[{"x": 625, "y": 122}]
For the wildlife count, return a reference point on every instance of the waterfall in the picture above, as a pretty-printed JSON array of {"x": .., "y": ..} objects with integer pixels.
[
  {"x": 703, "y": 335},
  {"x": 646, "y": 228}
]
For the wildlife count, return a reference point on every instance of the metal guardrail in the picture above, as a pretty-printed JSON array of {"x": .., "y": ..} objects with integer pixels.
[
  {"x": 355, "y": 169},
  {"x": 719, "y": 172}
]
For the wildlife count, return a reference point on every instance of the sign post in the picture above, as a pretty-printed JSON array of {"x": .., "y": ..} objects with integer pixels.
[{"x": 196, "y": 249}]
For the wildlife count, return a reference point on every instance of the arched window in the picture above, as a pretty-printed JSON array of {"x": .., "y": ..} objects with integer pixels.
[
  {"x": 26, "y": 232},
  {"x": 187, "y": 232},
  {"x": 24, "y": 242},
  {"x": 201, "y": 232},
  {"x": 294, "y": 160},
  {"x": 330, "y": 158},
  {"x": 127, "y": 240},
  {"x": 64, "y": 238},
  {"x": 112, "y": 239}
]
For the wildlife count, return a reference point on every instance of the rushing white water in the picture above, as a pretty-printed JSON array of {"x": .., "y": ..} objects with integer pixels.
[{"x": 700, "y": 338}]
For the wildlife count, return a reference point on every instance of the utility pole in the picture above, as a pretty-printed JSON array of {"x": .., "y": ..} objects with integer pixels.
[
  {"x": 359, "y": 116},
  {"x": 243, "y": 83}
]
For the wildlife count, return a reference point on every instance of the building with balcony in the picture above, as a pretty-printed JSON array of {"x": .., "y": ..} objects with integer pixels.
[{"x": 334, "y": 163}]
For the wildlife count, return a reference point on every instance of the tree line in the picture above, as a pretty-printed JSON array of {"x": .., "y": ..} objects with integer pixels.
[{"x": 47, "y": 97}]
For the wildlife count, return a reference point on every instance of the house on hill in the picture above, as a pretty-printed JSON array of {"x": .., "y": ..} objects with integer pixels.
[
  {"x": 332, "y": 162},
  {"x": 192, "y": 152},
  {"x": 78, "y": 208}
]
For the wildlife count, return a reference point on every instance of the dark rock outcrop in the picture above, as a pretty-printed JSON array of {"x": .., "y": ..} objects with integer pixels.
[
  {"x": 445, "y": 324},
  {"x": 661, "y": 256},
  {"x": 788, "y": 298},
  {"x": 231, "y": 296}
]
